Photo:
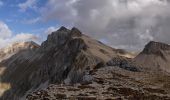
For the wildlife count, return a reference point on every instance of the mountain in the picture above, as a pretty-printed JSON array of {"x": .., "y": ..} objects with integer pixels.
[
  {"x": 120, "y": 78},
  {"x": 71, "y": 65},
  {"x": 62, "y": 58},
  {"x": 6, "y": 53},
  {"x": 155, "y": 56}
]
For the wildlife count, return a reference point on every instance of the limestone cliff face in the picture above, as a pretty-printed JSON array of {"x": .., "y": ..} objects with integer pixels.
[{"x": 62, "y": 58}]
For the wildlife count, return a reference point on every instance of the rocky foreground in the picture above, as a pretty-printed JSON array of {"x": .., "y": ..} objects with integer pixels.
[
  {"x": 70, "y": 65},
  {"x": 108, "y": 83}
]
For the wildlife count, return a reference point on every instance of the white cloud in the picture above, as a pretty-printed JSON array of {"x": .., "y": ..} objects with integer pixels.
[
  {"x": 7, "y": 37},
  {"x": 1, "y": 3},
  {"x": 123, "y": 23},
  {"x": 50, "y": 30},
  {"x": 4, "y": 30},
  {"x": 24, "y": 37},
  {"x": 28, "y": 4},
  {"x": 32, "y": 21}
]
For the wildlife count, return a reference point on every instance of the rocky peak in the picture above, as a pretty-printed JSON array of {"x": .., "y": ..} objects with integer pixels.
[
  {"x": 62, "y": 28},
  {"x": 56, "y": 39},
  {"x": 155, "y": 47},
  {"x": 75, "y": 32},
  {"x": 60, "y": 37},
  {"x": 20, "y": 46},
  {"x": 16, "y": 47},
  {"x": 26, "y": 45}
]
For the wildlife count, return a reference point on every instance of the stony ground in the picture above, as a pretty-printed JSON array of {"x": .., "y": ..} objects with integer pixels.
[{"x": 109, "y": 83}]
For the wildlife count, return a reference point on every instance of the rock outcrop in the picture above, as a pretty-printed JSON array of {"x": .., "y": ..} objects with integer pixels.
[{"x": 124, "y": 63}]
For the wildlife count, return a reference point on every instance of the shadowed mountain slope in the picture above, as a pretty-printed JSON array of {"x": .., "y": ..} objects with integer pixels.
[{"x": 6, "y": 53}]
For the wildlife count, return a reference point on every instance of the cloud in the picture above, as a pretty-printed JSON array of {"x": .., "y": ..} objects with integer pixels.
[
  {"x": 1, "y": 3},
  {"x": 128, "y": 24},
  {"x": 50, "y": 30},
  {"x": 24, "y": 37},
  {"x": 7, "y": 37},
  {"x": 28, "y": 4},
  {"x": 32, "y": 21},
  {"x": 4, "y": 30}
]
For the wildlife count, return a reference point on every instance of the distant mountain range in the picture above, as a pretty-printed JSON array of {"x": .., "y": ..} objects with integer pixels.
[{"x": 70, "y": 65}]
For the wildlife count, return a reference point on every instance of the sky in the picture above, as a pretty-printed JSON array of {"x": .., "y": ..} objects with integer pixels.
[{"x": 125, "y": 24}]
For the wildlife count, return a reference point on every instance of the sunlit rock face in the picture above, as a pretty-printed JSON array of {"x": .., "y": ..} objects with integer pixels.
[
  {"x": 4, "y": 87},
  {"x": 16, "y": 47}
]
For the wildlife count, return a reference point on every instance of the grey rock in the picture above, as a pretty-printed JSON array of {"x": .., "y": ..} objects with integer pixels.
[{"x": 124, "y": 64}]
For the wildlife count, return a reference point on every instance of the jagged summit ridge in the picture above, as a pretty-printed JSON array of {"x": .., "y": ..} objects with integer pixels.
[
  {"x": 62, "y": 28},
  {"x": 60, "y": 37},
  {"x": 75, "y": 32}
]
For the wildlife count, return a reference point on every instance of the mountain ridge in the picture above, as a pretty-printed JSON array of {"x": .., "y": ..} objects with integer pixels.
[
  {"x": 68, "y": 58},
  {"x": 63, "y": 57}
]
